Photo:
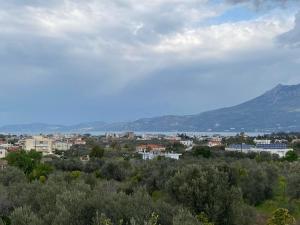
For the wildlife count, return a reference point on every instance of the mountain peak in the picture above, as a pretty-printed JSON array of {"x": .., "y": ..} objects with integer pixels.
[{"x": 281, "y": 89}]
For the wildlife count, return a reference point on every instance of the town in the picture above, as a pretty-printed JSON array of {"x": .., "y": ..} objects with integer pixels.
[{"x": 148, "y": 146}]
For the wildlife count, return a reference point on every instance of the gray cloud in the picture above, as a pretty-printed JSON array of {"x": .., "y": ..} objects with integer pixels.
[{"x": 70, "y": 61}]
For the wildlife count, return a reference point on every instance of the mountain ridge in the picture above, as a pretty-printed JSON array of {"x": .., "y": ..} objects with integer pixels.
[{"x": 276, "y": 110}]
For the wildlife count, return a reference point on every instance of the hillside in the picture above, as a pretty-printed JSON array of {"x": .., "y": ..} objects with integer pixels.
[{"x": 275, "y": 110}]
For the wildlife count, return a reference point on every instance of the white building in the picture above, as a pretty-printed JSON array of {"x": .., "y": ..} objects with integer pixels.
[
  {"x": 152, "y": 151},
  {"x": 79, "y": 141},
  {"x": 6, "y": 146},
  {"x": 187, "y": 143},
  {"x": 262, "y": 142},
  {"x": 62, "y": 146},
  {"x": 172, "y": 138},
  {"x": 152, "y": 155},
  {"x": 172, "y": 155},
  {"x": 279, "y": 149},
  {"x": 3, "y": 153},
  {"x": 39, "y": 144},
  {"x": 214, "y": 142}
]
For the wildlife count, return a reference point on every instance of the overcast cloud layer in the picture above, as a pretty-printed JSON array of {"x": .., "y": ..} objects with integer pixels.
[{"x": 116, "y": 60}]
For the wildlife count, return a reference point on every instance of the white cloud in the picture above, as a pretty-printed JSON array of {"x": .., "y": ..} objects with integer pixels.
[
  {"x": 217, "y": 40},
  {"x": 292, "y": 37}
]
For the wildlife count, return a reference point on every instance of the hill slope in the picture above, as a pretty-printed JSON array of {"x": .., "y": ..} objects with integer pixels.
[{"x": 275, "y": 110}]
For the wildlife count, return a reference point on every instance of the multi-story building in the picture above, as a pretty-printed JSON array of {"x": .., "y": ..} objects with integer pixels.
[
  {"x": 62, "y": 146},
  {"x": 39, "y": 144}
]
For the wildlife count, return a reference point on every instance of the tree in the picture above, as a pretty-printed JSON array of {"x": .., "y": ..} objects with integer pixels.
[
  {"x": 184, "y": 217},
  {"x": 206, "y": 189},
  {"x": 26, "y": 161},
  {"x": 281, "y": 217},
  {"x": 202, "y": 151},
  {"x": 11, "y": 176},
  {"x": 153, "y": 220},
  {"x": 101, "y": 220},
  {"x": 203, "y": 219},
  {"x": 112, "y": 170},
  {"x": 24, "y": 216},
  {"x": 97, "y": 152},
  {"x": 291, "y": 156},
  {"x": 41, "y": 170},
  {"x": 293, "y": 185}
]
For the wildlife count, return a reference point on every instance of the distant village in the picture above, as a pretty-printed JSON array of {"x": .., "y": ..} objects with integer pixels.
[{"x": 147, "y": 146}]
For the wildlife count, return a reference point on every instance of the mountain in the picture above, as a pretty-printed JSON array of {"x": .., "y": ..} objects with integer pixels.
[{"x": 275, "y": 110}]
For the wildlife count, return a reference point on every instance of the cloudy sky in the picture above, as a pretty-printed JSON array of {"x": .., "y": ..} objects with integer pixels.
[{"x": 70, "y": 61}]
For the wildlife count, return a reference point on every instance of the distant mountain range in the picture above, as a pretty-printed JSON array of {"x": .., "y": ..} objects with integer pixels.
[{"x": 275, "y": 110}]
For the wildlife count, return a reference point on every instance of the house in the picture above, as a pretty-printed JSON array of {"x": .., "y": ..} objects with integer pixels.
[
  {"x": 172, "y": 138},
  {"x": 187, "y": 143},
  {"x": 39, "y": 144},
  {"x": 215, "y": 141},
  {"x": 152, "y": 155},
  {"x": 85, "y": 158},
  {"x": 3, "y": 153},
  {"x": 152, "y": 151},
  {"x": 172, "y": 155},
  {"x": 79, "y": 141},
  {"x": 150, "y": 148},
  {"x": 62, "y": 146}
]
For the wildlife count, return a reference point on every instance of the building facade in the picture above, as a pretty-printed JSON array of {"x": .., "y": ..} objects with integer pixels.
[
  {"x": 3, "y": 153},
  {"x": 151, "y": 151},
  {"x": 62, "y": 146},
  {"x": 39, "y": 144}
]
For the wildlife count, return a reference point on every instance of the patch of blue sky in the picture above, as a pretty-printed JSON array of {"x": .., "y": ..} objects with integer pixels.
[
  {"x": 235, "y": 13},
  {"x": 246, "y": 12}
]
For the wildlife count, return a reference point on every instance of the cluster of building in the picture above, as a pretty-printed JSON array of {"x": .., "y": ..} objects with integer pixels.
[
  {"x": 126, "y": 135},
  {"x": 44, "y": 144},
  {"x": 277, "y": 148},
  {"x": 151, "y": 151}
]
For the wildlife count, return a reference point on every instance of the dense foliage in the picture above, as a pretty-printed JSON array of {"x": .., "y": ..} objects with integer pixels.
[{"x": 115, "y": 186}]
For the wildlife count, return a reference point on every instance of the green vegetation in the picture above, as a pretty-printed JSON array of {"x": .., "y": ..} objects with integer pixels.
[
  {"x": 97, "y": 152},
  {"x": 202, "y": 151},
  {"x": 29, "y": 163},
  {"x": 115, "y": 187},
  {"x": 291, "y": 156},
  {"x": 281, "y": 217}
]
